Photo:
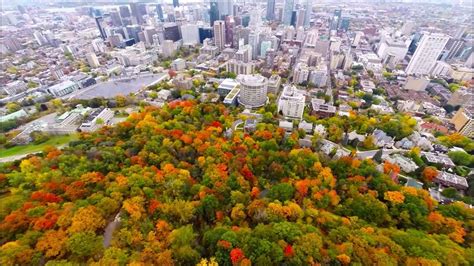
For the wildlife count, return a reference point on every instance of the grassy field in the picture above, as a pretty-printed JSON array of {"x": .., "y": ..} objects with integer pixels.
[{"x": 30, "y": 148}]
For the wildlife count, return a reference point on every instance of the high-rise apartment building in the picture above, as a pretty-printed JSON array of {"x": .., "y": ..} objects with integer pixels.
[
  {"x": 219, "y": 34},
  {"x": 92, "y": 60},
  {"x": 190, "y": 33},
  {"x": 291, "y": 103},
  {"x": 253, "y": 90},
  {"x": 426, "y": 54},
  {"x": 463, "y": 121}
]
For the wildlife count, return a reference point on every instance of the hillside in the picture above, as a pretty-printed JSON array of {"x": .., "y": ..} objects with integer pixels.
[{"x": 185, "y": 192}]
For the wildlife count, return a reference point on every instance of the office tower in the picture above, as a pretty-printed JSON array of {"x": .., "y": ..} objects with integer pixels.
[
  {"x": 392, "y": 50},
  {"x": 240, "y": 33},
  {"x": 132, "y": 32},
  {"x": 291, "y": 103},
  {"x": 175, "y": 3},
  {"x": 336, "y": 19},
  {"x": 205, "y": 33},
  {"x": 308, "y": 10},
  {"x": 254, "y": 41},
  {"x": 213, "y": 12},
  {"x": 429, "y": 49},
  {"x": 453, "y": 48},
  {"x": 264, "y": 47},
  {"x": 253, "y": 90},
  {"x": 225, "y": 8},
  {"x": 92, "y": 60},
  {"x": 270, "y": 10},
  {"x": 171, "y": 32},
  {"x": 115, "y": 18},
  {"x": 300, "y": 15},
  {"x": 115, "y": 40},
  {"x": 134, "y": 7},
  {"x": 141, "y": 37},
  {"x": 229, "y": 29},
  {"x": 245, "y": 20},
  {"x": 190, "y": 33},
  {"x": 40, "y": 39},
  {"x": 124, "y": 12},
  {"x": 219, "y": 34},
  {"x": 344, "y": 25},
  {"x": 288, "y": 11},
  {"x": 293, "y": 18},
  {"x": 159, "y": 12},
  {"x": 142, "y": 10},
  {"x": 99, "y": 21},
  {"x": 149, "y": 32}
]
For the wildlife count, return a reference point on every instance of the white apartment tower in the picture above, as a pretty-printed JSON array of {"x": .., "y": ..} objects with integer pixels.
[
  {"x": 253, "y": 90},
  {"x": 92, "y": 60},
  {"x": 291, "y": 102},
  {"x": 426, "y": 54},
  {"x": 190, "y": 33},
  {"x": 219, "y": 34}
]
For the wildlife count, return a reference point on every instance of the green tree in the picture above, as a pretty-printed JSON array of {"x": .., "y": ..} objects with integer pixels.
[
  {"x": 85, "y": 244},
  {"x": 281, "y": 192}
]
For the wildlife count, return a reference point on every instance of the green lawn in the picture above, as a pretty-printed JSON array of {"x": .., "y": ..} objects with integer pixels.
[{"x": 25, "y": 149}]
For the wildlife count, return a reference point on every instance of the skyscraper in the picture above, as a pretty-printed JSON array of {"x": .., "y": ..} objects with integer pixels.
[
  {"x": 175, "y": 3},
  {"x": 426, "y": 54},
  {"x": 205, "y": 33},
  {"x": 40, "y": 39},
  {"x": 171, "y": 32},
  {"x": 159, "y": 12},
  {"x": 225, "y": 8},
  {"x": 308, "y": 9},
  {"x": 270, "y": 10},
  {"x": 136, "y": 13},
  {"x": 213, "y": 12},
  {"x": 229, "y": 29},
  {"x": 288, "y": 11},
  {"x": 190, "y": 34},
  {"x": 100, "y": 24},
  {"x": 115, "y": 18},
  {"x": 124, "y": 11},
  {"x": 219, "y": 34}
]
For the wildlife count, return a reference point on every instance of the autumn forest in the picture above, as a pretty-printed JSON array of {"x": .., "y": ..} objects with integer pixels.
[{"x": 170, "y": 186}]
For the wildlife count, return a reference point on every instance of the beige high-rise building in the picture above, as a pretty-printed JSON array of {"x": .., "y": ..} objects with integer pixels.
[
  {"x": 219, "y": 34},
  {"x": 92, "y": 60},
  {"x": 463, "y": 122}
]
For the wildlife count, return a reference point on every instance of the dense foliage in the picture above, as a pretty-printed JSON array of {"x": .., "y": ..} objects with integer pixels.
[{"x": 188, "y": 193}]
